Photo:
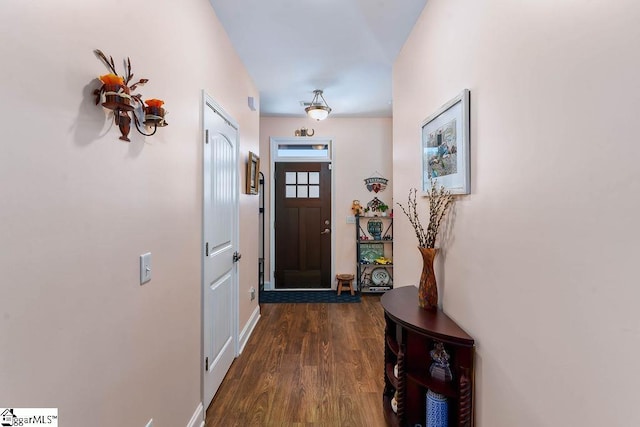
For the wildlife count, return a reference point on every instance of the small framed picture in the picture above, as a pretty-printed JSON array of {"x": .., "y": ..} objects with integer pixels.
[
  {"x": 253, "y": 167},
  {"x": 445, "y": 146}
]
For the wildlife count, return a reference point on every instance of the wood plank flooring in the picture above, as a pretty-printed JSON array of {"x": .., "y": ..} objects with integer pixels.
[{"x": 307, "y": 365}]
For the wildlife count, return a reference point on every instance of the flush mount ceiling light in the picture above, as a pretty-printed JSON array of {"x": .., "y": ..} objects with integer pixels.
[{"x": 318, "y": 110}]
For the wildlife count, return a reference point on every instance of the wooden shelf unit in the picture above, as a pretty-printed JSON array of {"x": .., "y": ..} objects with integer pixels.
[{"x": 410, "y": 335}]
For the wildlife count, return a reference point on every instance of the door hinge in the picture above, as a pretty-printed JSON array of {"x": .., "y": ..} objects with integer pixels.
[
  {"x": 206, "y": 364},
  {"x": 206, "y": 138},
  {"x": 206, "y": 249}
]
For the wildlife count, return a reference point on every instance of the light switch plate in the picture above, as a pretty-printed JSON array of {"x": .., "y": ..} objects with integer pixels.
[
  {"x": 351, "y": 219},
  {"x": 145, "y": 268}
]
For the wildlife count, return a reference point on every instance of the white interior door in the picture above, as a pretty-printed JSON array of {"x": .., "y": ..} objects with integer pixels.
[{"x": 220, "y": 307}]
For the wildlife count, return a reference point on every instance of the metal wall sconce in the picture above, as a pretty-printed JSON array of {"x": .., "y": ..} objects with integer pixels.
[{"x": 115, "y": 94}]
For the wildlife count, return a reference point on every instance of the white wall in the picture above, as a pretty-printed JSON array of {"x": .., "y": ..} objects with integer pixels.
[
  {"x": 361, "y": 146},
  {"x": 540, "y": 264},
  {"x": 78, "y": 206}
]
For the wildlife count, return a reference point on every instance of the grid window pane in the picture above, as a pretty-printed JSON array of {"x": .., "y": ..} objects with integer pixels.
[
  {"x": 314, "y": 191},
  {"x": 314, "y": 177},
  {"x": 290, "y": 192},
  {"x": 302, "y": 191},
  {"x": 290, "y": 178},
  {"x": 303, "y": 177}
]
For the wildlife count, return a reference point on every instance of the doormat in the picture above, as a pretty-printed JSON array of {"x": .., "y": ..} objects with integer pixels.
[{"x": 293, "y": 297}]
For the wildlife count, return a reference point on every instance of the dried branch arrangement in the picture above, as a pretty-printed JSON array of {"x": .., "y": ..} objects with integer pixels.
[{"x": 439, "y": 201}]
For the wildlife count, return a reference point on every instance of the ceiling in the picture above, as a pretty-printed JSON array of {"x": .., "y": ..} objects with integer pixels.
[{"x": 344, "y": 47}]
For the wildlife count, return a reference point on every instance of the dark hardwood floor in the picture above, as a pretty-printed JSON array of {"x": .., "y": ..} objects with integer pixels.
[{"x": 307, "y": 365}]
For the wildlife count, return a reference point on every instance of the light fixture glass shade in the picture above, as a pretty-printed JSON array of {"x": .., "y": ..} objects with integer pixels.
[{"x": 318, "y": 110}]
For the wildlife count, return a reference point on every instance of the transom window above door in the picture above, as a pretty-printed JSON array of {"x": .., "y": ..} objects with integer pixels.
[
  {"x": 311, "y": 151},
  {"x": 302, "y": 185}
]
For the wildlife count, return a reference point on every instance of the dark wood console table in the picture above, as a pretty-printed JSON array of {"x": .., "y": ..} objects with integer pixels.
[{"x": 411, "y": 333}]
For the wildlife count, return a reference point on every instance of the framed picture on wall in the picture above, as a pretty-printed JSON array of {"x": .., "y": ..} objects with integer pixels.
[
  {"x": 445, "y": 146},
  {"x": 253, "y": 167}
]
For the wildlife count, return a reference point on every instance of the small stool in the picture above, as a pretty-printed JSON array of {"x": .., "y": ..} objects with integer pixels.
[{"x": 345, "y": 282}]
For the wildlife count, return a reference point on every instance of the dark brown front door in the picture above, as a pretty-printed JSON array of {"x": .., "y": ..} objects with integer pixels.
[{"x": 302, "y": 225}]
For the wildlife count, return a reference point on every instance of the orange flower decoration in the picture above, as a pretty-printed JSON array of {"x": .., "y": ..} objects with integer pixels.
[
  {"x": 154, "y": 102},
  {"x": 111, "y": 79}
]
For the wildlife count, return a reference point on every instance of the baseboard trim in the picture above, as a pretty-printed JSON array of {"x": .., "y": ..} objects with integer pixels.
[
  {"x": 248, "y": 329},
  {"x": 197, "y": 419}
]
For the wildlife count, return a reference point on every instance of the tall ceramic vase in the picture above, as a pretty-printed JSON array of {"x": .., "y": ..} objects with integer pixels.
[{"x": 428, "y": 289}]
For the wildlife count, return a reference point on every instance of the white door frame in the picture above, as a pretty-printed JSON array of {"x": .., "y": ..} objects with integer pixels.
[
  {"x": 209, "y": 102},
  {"x": 275, "y": 141}
]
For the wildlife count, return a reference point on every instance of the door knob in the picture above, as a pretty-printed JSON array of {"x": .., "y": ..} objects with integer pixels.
[{"x": 326, "y": 231}]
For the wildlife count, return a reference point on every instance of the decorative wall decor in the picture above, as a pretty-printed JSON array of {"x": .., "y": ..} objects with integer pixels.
[
  {"x": 253, "y": 167},
  {"x": 115, "y": 94},
  {"x": 445, "y": 146},
  {"x": 304, "y": 132},
  {"x": 376, "y": 183}
]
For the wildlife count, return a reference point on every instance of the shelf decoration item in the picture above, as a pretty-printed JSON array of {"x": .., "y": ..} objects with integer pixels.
[
  {"x": 428, "y": 286},
  {"x": 369, "y": 252},
  {"x": 357, "y": 208},
  {"x": 439, "y": 368},
  {"x": 380, "y": 276},
  {"x": 115, "y": 94},
  {"x": 374, "y": 227},
  {"x": 439, "y": 202},
  {"x": 383, "y": 208},
  {"x": 376, "y": 207},
  {"x": 437, "y": 410}
]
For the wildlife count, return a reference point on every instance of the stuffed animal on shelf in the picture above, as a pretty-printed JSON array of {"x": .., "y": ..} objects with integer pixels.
[{"x": 356, "y": 208}]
